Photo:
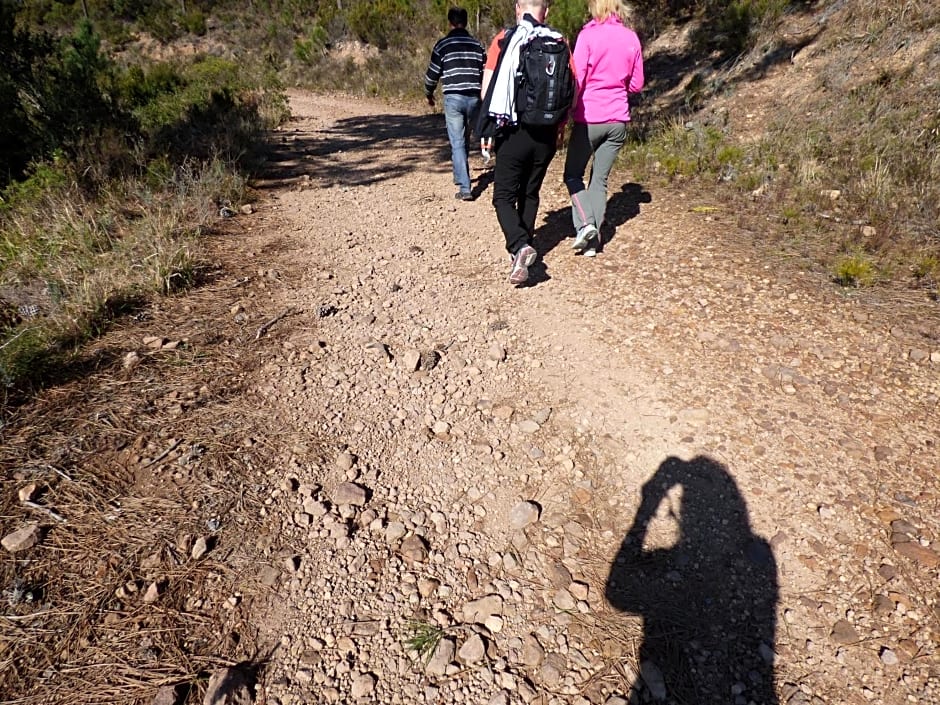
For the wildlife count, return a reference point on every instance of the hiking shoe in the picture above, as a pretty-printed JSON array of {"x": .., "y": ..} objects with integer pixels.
[
  {"x": 524, "y": 259},
  {"x": 463, "y": 196},
  {"x": 585, "y": 235},
  {"x": 590, "y": 252}
]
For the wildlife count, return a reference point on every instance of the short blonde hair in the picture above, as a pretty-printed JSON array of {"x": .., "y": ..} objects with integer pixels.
[
  {"x": 533, "y": 4},
  {"x": 602, "y": 9}
]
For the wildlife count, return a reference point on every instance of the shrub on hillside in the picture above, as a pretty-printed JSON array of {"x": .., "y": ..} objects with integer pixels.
[{"x": 56, "y": 93}]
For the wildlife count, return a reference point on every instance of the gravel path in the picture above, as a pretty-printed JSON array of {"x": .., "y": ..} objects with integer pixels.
[{"x": 674, "y": 473}]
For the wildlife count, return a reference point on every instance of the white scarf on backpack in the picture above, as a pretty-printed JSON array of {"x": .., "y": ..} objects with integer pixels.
[{"x": 502, "y": 106}]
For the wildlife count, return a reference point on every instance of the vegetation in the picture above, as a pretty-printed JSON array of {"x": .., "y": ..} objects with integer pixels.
[
  {"x": 109, "y": 173},
  {"x": 422, "y": 639},
  {"x": 847, "y": 174}
]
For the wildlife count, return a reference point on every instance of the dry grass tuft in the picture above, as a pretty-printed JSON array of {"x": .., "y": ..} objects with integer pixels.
[{"x": 78, "y": 259}]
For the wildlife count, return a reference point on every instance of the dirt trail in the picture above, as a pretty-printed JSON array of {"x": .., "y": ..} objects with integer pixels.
[{"x": 766, "y": 446}]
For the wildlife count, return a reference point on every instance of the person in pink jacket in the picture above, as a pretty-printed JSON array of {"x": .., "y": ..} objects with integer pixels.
[{"x": 608, "y": 63}]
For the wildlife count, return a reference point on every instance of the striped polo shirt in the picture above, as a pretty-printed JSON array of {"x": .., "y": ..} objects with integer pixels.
[{"x": 457, "y": 62}]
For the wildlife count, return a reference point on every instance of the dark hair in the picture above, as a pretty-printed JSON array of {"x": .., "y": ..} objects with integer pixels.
[{"x": 457, "y": 16}]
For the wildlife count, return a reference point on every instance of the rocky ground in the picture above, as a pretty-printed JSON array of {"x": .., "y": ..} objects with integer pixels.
[
  {"x": 678, "y": 472},
  {"x": 677, "y": 458}
]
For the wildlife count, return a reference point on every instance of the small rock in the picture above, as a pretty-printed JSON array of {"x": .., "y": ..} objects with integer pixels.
[
  {"x": 200, "y": 548},
  {"x": 501, "y": 698},
  {"x": 247, "y": 209},
  {"x": 920, "y": 554},
  {"x": 153, "y": 592},
  {"x": 427, "y": 586},
  {"x": 564, "y": 601},
  {"x": 410, "y": 360},
  {"x": 843, "y": 632},
  {"x": 414, "y": 549},
  {"x": 882, "y": 605},
  {"x": 579, "y": 591},
  {"x": 476, "y": 611},
  {"x": 497, "y": 353},
  {"x": 350, "y": 493},
  {"x": 503, "y": 412},
  {"x": 130, "y": 360},
  {"x": 542, "y": 415},
  {"x": 887, "y": 571},
  {"x": 528, "y": 426},
  {"x": 559, "y": 575},
  {"x": 767, "y": 654},
  {"x": 888, "y": 657},
  {"x": 394, "y": 531},
  {"x": 27, "y": 493},
  {"x": 442, "y": 656},
  {"x": 524, "y": 514},
  {"x": 22, "y": 539},
  {"x": 363, "y": 686},
  {"x": 345, "y": 461},
  {"x": 493, "y": 624},
  {"x": 378, "y": 350},
  {"x": 653, "y": 678},
  {"x": 532, "y": 652},
  {"x": 167, "y": 695},
  {"x": 228, "y": 686},
  {"x": 472, "y": 650}
]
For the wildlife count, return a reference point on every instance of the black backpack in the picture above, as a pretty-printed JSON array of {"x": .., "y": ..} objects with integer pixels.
[{"x": 545, "y": 87}]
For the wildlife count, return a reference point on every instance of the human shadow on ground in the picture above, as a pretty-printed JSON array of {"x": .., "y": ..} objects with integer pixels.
[
  {"x": 708, "y": 602},
  {"x": 297, "y": 154},
  {"x": 622, "y": 206},
  {"x": 483, "y": 181}
]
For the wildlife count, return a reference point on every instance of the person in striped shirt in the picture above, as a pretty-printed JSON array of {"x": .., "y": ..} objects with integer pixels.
[{"x": 457, "y": 62}]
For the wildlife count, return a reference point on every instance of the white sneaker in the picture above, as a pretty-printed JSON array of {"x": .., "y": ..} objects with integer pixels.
[
  {"x": 521, "y": 262},
  {"x": 590, "y": 252},
  {"x": 585, "y": 235}
]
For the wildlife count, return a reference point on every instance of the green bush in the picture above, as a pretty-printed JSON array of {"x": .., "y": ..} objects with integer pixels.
[
  {"x": 855, "y": 269},
  {"x": 54, "y": 94},
  {"x": 309, "y": 48},
  {"x": 194, "y": 22}
]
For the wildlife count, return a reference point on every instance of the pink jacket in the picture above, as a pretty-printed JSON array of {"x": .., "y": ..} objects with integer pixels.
[{"x": 608, "y": 63}]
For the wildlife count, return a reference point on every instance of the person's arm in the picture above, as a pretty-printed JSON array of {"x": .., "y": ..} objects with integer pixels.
[
  {"x": 637, "y": 78},
  {"x": 492, "y": 58},
  {"x": 433, "y": 75},
  {"x": 572, "y": 65},
  {"x": 487, "y": 77},
  {"x": 580, "y": 60}
]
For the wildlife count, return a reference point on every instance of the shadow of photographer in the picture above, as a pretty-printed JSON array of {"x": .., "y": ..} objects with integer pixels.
[{"x": 708, "y": 601}]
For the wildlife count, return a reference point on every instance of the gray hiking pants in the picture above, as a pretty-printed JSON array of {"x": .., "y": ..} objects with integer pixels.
[{"x": 603, "y": 141}]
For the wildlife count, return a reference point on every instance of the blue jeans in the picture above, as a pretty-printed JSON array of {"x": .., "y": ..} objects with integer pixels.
[{"x": 459, "y": 112}]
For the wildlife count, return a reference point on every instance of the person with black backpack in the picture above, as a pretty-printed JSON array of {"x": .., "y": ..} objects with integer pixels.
[{"x": 528, "y": 90}]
